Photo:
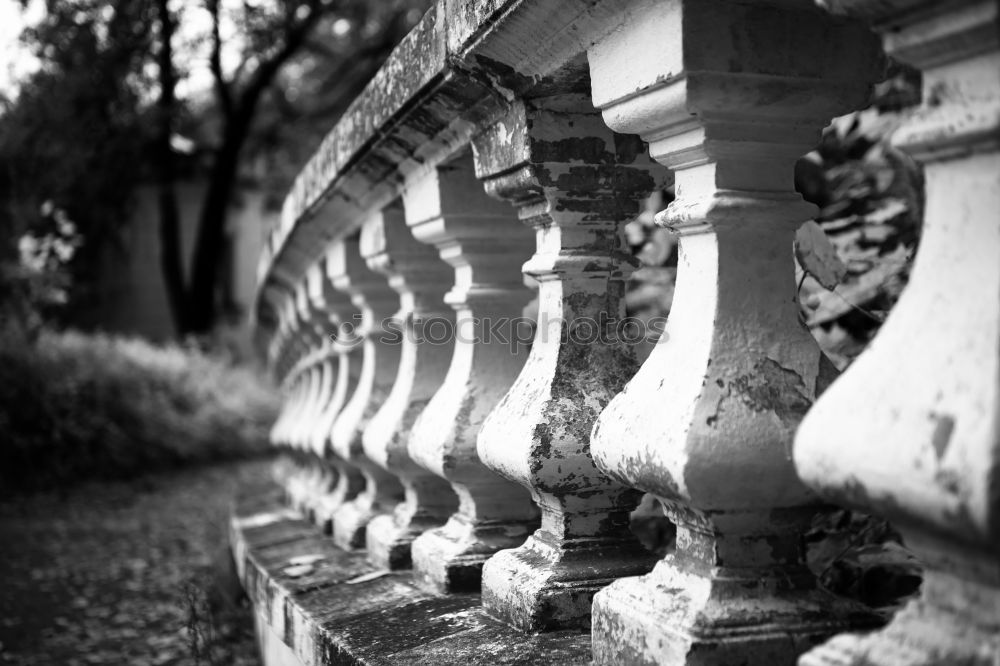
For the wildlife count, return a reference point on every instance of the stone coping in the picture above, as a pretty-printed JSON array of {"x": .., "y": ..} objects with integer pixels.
[
  {"x": 444, "y": 83},
  {"x": 328, "y": 606}
]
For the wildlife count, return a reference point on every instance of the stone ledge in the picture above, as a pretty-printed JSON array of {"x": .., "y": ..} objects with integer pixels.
[{"x": 328, "y": 606}]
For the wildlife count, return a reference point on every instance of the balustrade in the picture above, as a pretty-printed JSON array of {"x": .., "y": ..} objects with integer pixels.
[{"x": 492, "y": 467}]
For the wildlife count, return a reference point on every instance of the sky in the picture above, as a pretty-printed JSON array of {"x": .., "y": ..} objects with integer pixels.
[{"x": 15, "y": 60}]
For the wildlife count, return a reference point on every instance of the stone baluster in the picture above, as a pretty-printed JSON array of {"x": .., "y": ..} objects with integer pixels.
[
  {"x": 296, "y": 397},
  {"x": 303, "y": 484},
  {"x": 910, "y": 431},
  {"x": 349, "y": 272},
  {"x": 296, "y": 377},
  {"x": 417, "y": 274},
  {"x": 480, "y": 238},
  {"x": 728, "y": 95},
  {"x": 277, "y": 352},
  {"x": 292, "y": 350},
  {"x": 299, "y": 373},
  {"x": 343, "y": 371},
  {"x": 329, "y": 310},
  {"x": 314, "y": 342},
  {"x": 576, "y": 183},
  {"x": 292, "y": 384}
]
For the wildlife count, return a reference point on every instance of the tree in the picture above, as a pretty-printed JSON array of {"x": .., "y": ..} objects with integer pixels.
[
  {"x": 281, "y": 72},
  {"x": 75, "y": 117}
]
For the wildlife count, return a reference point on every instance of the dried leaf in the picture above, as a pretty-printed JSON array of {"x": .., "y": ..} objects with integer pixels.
[
  {"x": 298, "y": 570},
  {"x": 817, "y": 256},
  {"x": 364, "y": 578}
]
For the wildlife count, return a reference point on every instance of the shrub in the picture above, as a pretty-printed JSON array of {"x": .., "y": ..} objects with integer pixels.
[{"x": 76, "y": 406}]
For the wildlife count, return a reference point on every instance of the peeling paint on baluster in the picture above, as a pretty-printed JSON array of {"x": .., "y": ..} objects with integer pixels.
[
  {"x": 729, "y": 101},
  {"x": 927, "y": 389},
  {"x": 576, "y": 183}
]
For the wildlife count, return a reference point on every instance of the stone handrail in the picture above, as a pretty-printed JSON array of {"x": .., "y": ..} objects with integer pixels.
[{"x": 504, "y": 477}]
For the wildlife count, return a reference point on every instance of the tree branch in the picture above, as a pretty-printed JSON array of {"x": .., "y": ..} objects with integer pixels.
[
  {"x": 221, "y": 87},
  {"x": 295, "y": 36}
]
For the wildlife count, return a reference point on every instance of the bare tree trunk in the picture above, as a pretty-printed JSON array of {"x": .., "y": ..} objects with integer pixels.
[
  {"x": 238, "y": 112},
  {"x": 171, "y": 263},
  {"x": 203, "y": 297}
]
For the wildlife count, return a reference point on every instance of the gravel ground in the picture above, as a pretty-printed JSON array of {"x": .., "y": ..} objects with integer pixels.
[{"x": 134, "y": 573}]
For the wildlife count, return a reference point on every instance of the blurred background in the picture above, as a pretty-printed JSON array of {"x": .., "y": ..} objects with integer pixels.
[{"x": 145, "y": 148}]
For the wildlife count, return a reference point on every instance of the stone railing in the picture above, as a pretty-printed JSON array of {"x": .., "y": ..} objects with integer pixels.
[{"x": 458, "y": 495}]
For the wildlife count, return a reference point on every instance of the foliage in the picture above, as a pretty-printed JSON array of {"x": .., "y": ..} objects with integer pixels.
[
  {"x": 124, "y": 96},
  {"x": 38, "y": 283},
  {"x": 862, "y": 557},
  {"x": 72, "y": 137},
  {"x": 871, "y": 205},
  {"x": 76, "y": 406}
]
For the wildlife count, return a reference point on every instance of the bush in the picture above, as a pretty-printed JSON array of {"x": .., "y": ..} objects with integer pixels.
[{"x": 76, "y": 406}]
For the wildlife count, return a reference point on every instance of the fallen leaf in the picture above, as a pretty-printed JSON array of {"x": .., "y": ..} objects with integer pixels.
[
  {"x": 817, "y": 255},
  {"x": 298, "y": 570}
]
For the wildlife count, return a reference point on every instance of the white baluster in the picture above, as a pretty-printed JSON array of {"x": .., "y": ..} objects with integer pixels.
[
  {"x": 576, "y": 183},
  {"x": 728, "y": 95},
  {"x": 911, "y": 430}
]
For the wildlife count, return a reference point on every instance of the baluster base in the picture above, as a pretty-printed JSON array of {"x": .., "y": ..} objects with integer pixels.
[
  {"x": 305, "y": 486},
  {"x": 349, "y": 483},
  {"x": 450, "y": 558},
  {"x": 545, "y": 585},
  {"x": 682, "y": 614},
  {"x": 954, "y": 622},
  {"x": 351, "y": 519},
  {"x": 323, "y": 482},
  {"x": 390, "y": 537},
  {"x": 389, "y": 544},
  {"x": 349, "y": 522}
]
